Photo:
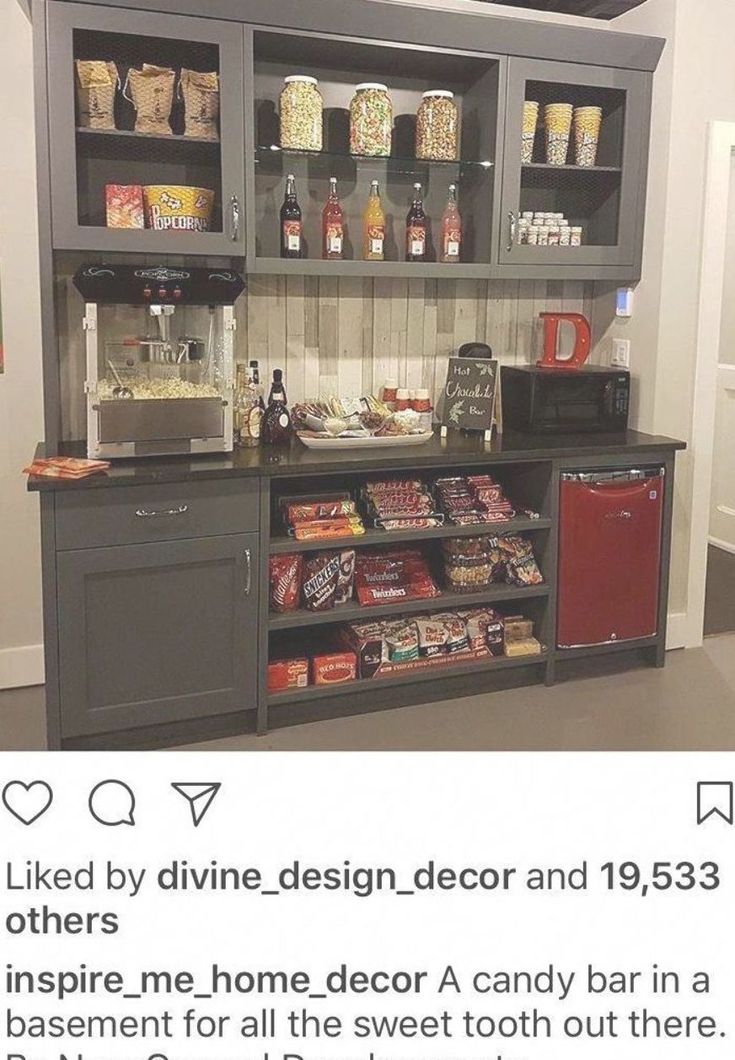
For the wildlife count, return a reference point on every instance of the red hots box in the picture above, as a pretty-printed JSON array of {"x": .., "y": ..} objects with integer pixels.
[{"x": 333, "y": 668}]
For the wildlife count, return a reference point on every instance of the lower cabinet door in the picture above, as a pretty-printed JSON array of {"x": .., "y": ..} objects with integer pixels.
[{"x": 157, "y": 633}]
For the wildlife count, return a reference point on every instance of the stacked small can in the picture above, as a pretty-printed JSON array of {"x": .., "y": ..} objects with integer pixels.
[{"x": 548, "y": 230}]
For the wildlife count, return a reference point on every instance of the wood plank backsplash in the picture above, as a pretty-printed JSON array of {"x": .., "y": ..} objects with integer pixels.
[{"x": 348, "y": 335}]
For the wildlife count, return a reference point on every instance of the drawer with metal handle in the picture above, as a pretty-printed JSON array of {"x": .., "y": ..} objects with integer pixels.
[{"x": 127, "y": 515}]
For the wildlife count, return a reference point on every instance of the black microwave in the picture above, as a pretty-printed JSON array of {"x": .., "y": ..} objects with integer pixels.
[{"x": 554, "y": 401}]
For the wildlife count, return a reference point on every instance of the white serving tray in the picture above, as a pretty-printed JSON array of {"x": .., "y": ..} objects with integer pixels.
[{"x": 315, "y": 442}]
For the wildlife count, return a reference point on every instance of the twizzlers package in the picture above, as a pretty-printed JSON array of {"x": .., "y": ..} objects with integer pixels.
[{"x": 393, "y": 575}]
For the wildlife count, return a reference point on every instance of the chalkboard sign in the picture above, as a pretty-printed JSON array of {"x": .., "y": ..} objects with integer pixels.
[{"x": 469, "y": 394}]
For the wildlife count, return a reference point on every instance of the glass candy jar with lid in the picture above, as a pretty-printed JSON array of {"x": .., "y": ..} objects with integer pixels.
[
  {"x": 371, "y": 120},
  {"x": 301, "y": 110},
  {"x": 437, "y": 126}
]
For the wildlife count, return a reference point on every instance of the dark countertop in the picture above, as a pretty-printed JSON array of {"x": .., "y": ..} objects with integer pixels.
[{"x": 298, "y": 460}]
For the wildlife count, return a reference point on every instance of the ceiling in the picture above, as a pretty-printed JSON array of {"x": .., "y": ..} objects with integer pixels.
[{"x": 606, "y": 9}]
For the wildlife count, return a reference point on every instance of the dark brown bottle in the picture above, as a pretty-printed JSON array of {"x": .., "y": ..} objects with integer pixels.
[
  {"x": 277, "y": 426},
  {"x": 292, "y": 235},
  {"x": 416, "y": 228}
]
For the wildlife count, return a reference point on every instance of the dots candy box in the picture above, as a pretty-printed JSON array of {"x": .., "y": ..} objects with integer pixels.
[{"x": 288, "y": 673}]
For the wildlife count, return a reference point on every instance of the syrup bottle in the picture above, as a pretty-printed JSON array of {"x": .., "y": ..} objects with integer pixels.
[
  {"x": 451, "y": 229},
  {"x": 277, "y": 427},
  {"x": 291, "y": 226},
  {"x": 373, "y": 226},
  {"x": 332, "y": 225},
  {"x": 416, "y": 228}
]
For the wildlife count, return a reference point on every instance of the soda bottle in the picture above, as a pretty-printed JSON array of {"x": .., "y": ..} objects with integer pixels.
[
  {"x": 332, "y": 225},
  {"x": 451, "y": 244},
  {"x": 291, "y": 227},
  {"x": 374, "y": 226},
  {"x": 416, "y": 228}
]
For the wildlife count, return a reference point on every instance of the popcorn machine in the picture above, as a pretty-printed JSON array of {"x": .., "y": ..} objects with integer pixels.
[{"x": 160, "y": 356}]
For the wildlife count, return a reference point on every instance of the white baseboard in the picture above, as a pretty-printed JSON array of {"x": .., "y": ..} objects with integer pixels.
[
  {"x": 677, "y": 635},
  {"x": 20, "y": 667},
  {"x": 716, "y": 542}
]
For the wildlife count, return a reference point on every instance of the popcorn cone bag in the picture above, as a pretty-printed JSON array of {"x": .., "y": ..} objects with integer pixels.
[
  {"x": 587, "y": 124},
  {"x": 530, "y": 122},
  {"x": 558, "y": 121}
]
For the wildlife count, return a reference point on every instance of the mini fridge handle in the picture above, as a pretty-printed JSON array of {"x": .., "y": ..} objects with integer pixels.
[{"x": 634, "y": 474}]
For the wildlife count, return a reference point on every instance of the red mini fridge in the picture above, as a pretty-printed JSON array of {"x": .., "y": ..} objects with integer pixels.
[{"x": 609, "y": 556}]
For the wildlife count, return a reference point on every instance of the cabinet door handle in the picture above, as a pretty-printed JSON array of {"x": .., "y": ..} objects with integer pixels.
[
  {"x": 511, "y": 230},
  {"x": 161, "y": 513},
  {"x": 248, "y": 571},
  {"x": 235, "y": 217}
]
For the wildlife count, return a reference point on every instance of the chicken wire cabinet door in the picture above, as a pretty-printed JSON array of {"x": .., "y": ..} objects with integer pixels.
[
  {"x": 168, "y": 116},
  {"x": 574, "y": 172}
]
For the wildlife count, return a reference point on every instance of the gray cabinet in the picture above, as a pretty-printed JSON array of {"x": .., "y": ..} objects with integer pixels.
[
  {"x": 156, "y": 633},
  {"x": 84, "y": 161},
  {"x": 605, "y": 200}
]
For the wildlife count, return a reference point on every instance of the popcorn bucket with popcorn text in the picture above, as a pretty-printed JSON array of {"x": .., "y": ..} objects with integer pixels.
[
  {"x": 587, "y": 123},
  {"x": 530, "y": 121},
  {"x": 558, "y": 121},
  {"x": 178, "y": 208}
]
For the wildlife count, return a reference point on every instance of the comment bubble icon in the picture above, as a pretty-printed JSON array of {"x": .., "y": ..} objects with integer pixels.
[{"x": 112, "y": 803}]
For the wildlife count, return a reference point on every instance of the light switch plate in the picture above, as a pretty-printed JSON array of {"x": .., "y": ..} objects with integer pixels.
[{"x": 620, "y": 353}]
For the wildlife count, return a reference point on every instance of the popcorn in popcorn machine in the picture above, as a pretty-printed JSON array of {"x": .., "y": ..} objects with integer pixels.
[{"x": 160, "y": 355}]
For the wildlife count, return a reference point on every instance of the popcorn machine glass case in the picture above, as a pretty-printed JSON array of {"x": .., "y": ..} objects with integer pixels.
[{"x": 160, "y": 353}]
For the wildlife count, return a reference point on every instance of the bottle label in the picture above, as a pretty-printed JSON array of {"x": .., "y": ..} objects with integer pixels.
[
  {"x": 416, "y": 240},
  {"x": 292, "y": 235},
  {"x": 253, "y": 422},
  {"x": 376, "y": 238},
  {"x": 452, "y": 242},
  {"x": 334, "y": 239},
  {"x": 283, "y": 420}
]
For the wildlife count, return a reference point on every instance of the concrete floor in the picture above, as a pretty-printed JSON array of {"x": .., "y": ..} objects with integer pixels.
[{"x": 688, "y": 706}]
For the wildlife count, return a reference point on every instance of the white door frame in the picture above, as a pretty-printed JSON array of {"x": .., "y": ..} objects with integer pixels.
[{"x": 721, "y": 150}]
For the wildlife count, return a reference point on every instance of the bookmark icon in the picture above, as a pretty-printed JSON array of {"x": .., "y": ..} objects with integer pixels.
[
  {"x": 716, "y": 800},
  {"x": 199, "y": 796}
]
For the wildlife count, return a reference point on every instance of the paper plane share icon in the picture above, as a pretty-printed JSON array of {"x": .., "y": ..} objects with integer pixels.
[{"x": 199, "y": 796}]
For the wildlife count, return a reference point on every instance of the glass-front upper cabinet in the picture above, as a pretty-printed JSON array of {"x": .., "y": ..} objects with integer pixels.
[
  {"x": 576, "y": 141},
  {"x": 405, "y": 142},
  {"x": 146, "y": 126}
]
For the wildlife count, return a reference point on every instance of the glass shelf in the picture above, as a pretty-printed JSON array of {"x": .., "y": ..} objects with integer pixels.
[
  {"x": 547, "y": 167},
  {"x": 397, "y": 162}
]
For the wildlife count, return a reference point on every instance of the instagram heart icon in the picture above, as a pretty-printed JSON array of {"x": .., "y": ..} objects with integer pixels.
[{"x": 27, "y": 802}]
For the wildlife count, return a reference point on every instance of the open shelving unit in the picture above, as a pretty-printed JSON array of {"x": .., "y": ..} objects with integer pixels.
[
  {"x": 527, "y": 484},
  {"x": 340, "y": 64}
]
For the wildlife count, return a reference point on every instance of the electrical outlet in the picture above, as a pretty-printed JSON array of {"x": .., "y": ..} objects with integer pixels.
[{"x": 620, "y": 357}]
